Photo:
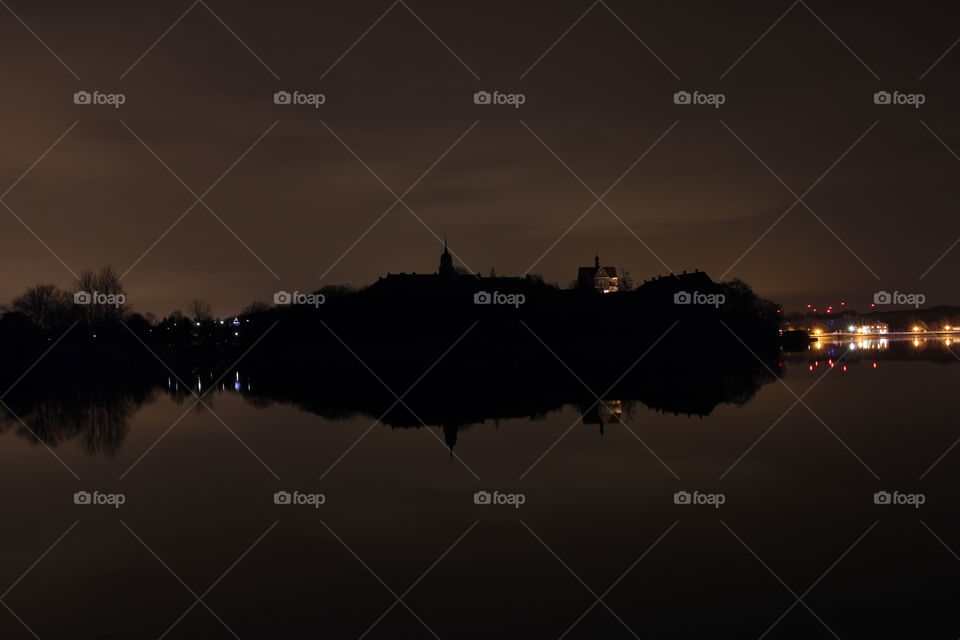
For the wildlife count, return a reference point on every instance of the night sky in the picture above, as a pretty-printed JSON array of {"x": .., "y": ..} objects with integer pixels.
[{"x": 693, "y": 186}]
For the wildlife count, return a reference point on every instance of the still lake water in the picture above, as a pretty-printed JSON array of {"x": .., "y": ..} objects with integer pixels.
[{"x": 598, "y": 519}]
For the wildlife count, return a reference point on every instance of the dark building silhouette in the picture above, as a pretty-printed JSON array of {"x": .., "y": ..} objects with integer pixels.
[
  {"x": 447, "y": 280},
  {"x": 446, "y": 263}
]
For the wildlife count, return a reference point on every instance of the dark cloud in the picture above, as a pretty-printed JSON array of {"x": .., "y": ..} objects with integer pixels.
[{"x": 599, "y": 98}]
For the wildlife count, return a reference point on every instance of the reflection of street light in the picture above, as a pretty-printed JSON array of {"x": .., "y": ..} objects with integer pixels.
[{"x": 916, "y": 329}]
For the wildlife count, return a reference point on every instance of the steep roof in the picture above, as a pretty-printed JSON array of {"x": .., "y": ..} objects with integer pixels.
[{"x": 592, "y": 272}]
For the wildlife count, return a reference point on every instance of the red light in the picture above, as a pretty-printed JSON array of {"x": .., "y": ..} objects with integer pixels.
[
  {"x": 874, "y": 365},
  {"x": 844, "y": 368},
  {"x": 810, "y": 368},
  {"x": 808, "y": 306},
  {"x": 842, "y": 304}
]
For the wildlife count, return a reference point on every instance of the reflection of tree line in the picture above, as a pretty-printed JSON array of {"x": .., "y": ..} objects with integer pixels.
[
  {"x": 97, "y": 418},
  {"x": 95, "y": 410}
]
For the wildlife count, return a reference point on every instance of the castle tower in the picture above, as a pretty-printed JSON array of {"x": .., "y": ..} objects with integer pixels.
[{"x": 446, "y": 262}]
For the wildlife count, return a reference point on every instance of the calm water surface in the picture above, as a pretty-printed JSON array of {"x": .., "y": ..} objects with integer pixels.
[{"x": 599, "y": 548}]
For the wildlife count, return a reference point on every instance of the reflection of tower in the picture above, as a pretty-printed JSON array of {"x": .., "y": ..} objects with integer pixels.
[
  {"x": 446, "y": 262},
  {"x": 450, "y": 437}
]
